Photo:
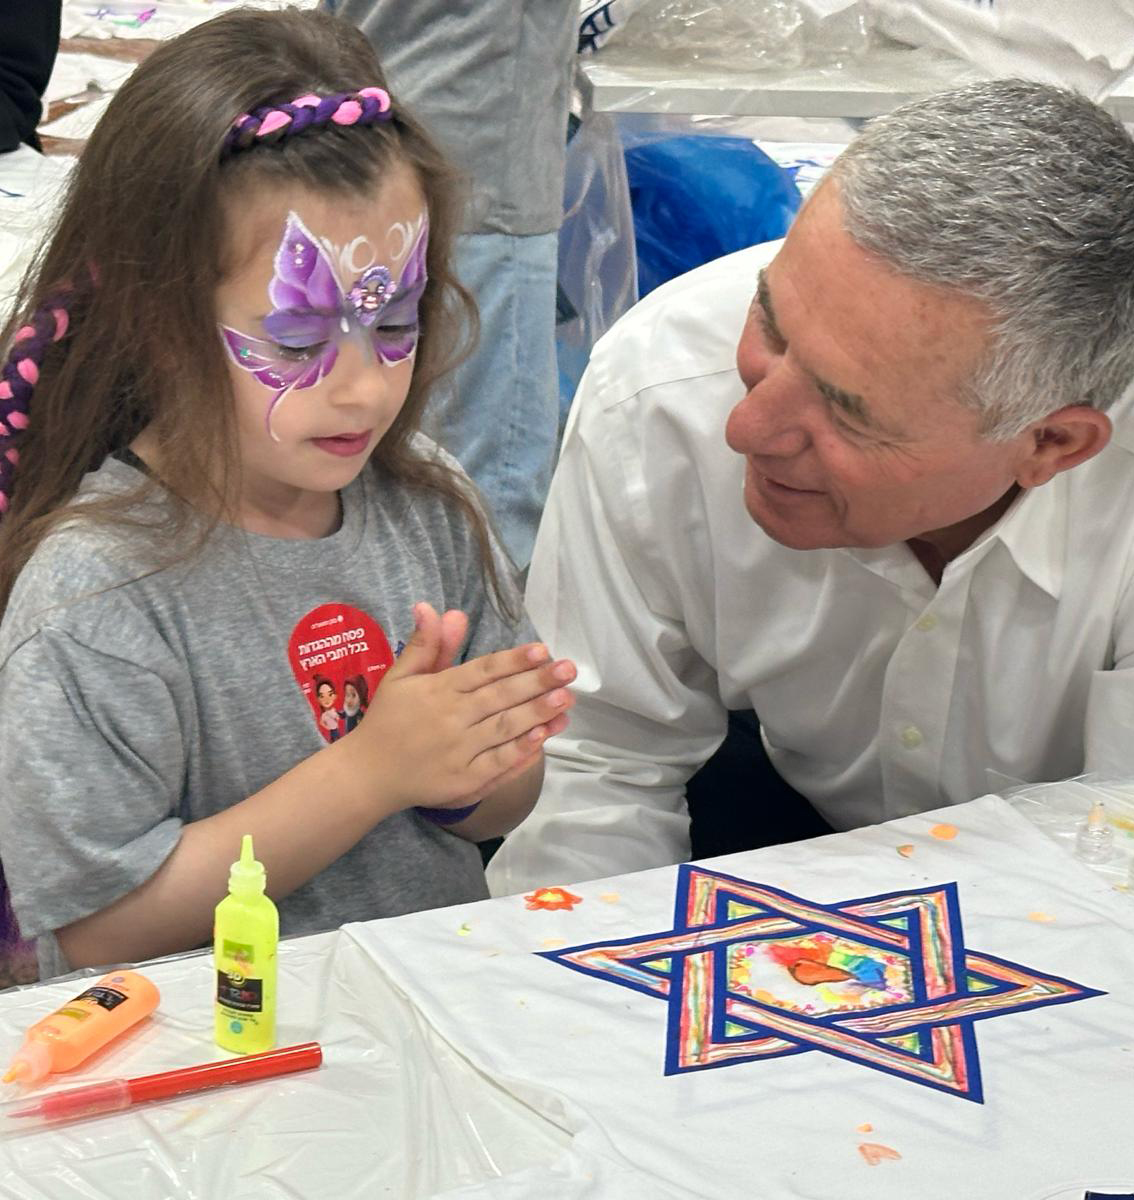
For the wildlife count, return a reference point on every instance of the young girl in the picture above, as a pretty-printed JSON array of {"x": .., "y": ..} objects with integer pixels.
[{"x": 214, "y": 490}]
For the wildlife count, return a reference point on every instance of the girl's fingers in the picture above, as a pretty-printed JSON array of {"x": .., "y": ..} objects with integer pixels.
[
  {"x": 503, "y": 727},
  {"x": 507, "y": 693},
  {"x": 556, "y": 725},
  {"x": 518, "y": 768},
  {"x": 490, "y": 668},
  {"x": 454, "y": 627},
  {"x": 501, "y": 763}
]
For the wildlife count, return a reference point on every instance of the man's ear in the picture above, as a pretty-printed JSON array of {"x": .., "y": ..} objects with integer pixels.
[{"x": 1062, "y": 440}]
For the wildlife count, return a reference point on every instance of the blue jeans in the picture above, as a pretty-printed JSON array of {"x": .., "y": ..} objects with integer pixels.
[{"x": 499, "y": 412}]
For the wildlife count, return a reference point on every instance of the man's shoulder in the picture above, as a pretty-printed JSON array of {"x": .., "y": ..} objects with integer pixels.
[{"x": 685, "y": 330}]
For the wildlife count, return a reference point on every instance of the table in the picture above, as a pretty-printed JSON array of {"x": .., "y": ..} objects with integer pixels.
[{"x": 464, "y": 1061}]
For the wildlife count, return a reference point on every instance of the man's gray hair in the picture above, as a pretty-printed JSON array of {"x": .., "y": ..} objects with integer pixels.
[{"x": 1022, "y": 195}]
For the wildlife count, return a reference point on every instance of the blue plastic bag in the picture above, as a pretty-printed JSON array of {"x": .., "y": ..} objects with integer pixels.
[{"x": 698, "y": 196}]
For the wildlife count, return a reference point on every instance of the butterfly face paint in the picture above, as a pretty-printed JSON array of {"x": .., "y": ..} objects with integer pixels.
[{"x": 321, "y": 293}]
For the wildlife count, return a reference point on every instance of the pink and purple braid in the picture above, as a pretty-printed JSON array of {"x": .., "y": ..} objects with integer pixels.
[
  {"x": 18, "y": 378},
  {"x": 272, "y": 123}
]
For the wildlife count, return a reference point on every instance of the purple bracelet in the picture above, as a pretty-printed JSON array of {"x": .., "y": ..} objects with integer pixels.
[{"x": 447, "y": 816}]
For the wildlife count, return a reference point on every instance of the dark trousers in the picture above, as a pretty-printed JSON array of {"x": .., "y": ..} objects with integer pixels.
[
  {"x": 738, "y": 802},
  {"x": 29, "y": 39}
]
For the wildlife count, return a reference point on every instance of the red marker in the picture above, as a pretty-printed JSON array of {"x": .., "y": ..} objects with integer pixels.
[{"x": 111, "y": 1095}]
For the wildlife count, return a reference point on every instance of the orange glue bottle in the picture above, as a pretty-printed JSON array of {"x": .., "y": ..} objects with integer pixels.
[{"x": 71, "y": 1034}]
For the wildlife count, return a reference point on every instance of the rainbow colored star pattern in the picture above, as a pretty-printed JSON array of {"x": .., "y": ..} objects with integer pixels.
[{"x": 750, "y": 972}]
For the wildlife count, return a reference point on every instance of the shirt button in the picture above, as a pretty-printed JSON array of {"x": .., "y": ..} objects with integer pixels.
[
  {"x": 926, "y": 623},
  {"x": 911, "y": 737}
]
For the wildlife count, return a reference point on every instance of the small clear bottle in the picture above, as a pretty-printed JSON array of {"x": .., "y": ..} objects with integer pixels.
[
  {"x": 1094, "y": 842},
  {"x": 245, "y": 935}
]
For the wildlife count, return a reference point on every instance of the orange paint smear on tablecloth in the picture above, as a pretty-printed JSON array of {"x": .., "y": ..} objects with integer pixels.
[
  {"x": 875, "y": 1152},
  {"x": 552, "y": 899},
  {"x": 946, "y": 833}
]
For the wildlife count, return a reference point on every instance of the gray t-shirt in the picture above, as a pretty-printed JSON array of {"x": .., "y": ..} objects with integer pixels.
[
  {"x": 490, "y": 80},
  {"x": 130, "y": 705}
]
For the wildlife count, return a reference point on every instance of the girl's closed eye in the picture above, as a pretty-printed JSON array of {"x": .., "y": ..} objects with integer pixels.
[{"x": 298, "y": 353}]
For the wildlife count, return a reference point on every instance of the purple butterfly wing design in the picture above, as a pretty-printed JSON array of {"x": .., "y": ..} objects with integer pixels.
[
  {"x": 396, "y": 335},
  {"x": 263, "y": 361},
  {"x": 307, "y": 303},
  {"x": 305, "y": 276}
]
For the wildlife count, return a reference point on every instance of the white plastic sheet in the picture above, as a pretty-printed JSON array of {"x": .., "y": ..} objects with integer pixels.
[
  {"x": 460, "y": 1064},
  {"x": 1058, "y": 1090},
  {"x": 149, "y": 19},
  {"x": 31, "y": 187},
  {"x": 1087, "y": 45},
  {"x": 394, "y": 1111}
]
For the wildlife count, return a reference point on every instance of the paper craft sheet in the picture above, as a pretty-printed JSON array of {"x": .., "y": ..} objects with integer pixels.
[{"x": 939, "y": 1006}]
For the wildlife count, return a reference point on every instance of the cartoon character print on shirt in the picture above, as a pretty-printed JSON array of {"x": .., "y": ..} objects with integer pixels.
[{"x": 338, "y": 655}]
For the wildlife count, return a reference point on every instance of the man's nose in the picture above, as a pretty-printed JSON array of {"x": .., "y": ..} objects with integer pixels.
[{"x": 768, "y": 420}]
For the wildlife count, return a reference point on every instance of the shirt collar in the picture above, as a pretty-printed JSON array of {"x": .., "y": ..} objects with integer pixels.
[
  {"x": 1034, "y": 532},
  {"x": 1034, "y": 529}
]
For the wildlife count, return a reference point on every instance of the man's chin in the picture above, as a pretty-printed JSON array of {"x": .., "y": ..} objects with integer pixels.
[{"x": 796, "y": 536}]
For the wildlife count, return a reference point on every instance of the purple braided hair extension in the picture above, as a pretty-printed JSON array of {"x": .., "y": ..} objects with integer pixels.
[
  {"x": 272, "y": 123},
  {"x": 18, "y": 378}
]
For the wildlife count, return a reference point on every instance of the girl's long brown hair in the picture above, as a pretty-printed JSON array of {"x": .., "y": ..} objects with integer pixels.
[{"x": 139, "y": 250}]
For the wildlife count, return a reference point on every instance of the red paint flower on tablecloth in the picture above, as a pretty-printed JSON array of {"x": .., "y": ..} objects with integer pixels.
[{"x": 552, "y": 899}]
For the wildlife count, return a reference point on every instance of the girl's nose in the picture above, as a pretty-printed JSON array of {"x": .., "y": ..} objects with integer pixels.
[{"x": 359, "y": 371}]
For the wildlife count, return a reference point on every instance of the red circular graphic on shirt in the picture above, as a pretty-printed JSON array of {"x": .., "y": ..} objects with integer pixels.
[{"x": 338, "y": 655}]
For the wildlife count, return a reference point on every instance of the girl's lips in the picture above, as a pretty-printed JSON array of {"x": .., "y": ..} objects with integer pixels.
[{"x": 345, "y": 445}]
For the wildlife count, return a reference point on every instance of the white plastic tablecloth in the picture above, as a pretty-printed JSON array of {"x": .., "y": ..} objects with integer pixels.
[{"x": 463, "y": 1061}]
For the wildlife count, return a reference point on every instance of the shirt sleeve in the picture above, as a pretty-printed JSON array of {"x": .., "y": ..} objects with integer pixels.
[
  {"x": 92, "y": 757},
  {"x": 1110, "y": 703},
  {"x": 648, "y": 711}
]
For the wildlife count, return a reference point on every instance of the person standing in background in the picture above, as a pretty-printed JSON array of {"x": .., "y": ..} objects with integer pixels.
[
  {"x": 29, "y": 41},
  {"x": 491, "y": 82}
]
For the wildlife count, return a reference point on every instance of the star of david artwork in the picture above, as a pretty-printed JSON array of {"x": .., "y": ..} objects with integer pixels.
[{"x": 749, "y": 972}]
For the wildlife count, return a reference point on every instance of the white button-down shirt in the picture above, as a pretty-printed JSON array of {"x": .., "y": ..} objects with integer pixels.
[{"x": 879, "y": 693}]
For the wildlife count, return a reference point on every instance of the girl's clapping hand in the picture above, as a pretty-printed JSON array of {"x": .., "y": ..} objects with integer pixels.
[{"x": 443, "y": 736}]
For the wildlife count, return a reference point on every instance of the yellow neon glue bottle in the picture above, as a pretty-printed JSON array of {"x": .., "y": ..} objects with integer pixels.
[{"x": 245, "y": 935}]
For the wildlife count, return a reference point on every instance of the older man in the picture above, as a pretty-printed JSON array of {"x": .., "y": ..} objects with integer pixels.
[{"x": 881, "y": 502}]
